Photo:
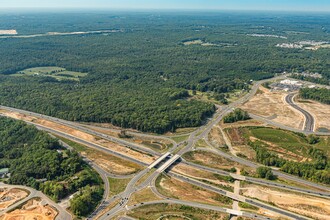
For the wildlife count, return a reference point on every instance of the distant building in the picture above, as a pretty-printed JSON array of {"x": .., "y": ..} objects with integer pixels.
[
  {"x": 4, "y": 172},
  {"x": 291, "y": 82}
]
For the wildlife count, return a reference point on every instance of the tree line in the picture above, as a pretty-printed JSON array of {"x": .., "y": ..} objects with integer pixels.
[
  {"x": 318, "y": 94},
  {"x": 37, "y": 160}
]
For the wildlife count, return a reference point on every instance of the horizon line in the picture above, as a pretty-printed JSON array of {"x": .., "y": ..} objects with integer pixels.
[{"x": 157, "y": 9}]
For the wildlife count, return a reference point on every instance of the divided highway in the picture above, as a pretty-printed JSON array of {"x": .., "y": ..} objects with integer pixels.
[
  {"x": 309, "y": 119},
  {"x": 237, "y": 197},
  {"x": 169, "y": 160}
]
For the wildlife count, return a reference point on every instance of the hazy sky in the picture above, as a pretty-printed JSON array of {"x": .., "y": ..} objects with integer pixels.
[{"x": 297, "y": 5}]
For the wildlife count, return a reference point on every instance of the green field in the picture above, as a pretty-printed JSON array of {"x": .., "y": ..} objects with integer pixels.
[
  {"x": 171, "y": 211},
  {"x": 51, "y": 71},
  {"x": 292, "y": 142},
  {"x": 117, "y": 185}
]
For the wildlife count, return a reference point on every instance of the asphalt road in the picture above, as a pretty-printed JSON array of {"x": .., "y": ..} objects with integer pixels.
[
  {"x": 80, "y": 127},
  {"x": 200, "y": 133},
  {"x": 87, "y": 143},
  {"x": 198, "y": 205},
  {"x": 255, "y": 165},
  {"x": 237, "y": 197},
  {"x": 276, "y": 124},
  {"x": 309, "y": 119},
  {"x": 260, "y": 181}
]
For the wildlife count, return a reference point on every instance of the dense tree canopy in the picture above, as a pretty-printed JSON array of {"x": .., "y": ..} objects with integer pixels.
[
  {"x": 37, "y": 160},
  {"x": 237, "y": 115},
  {"x": 317, "y": 94},
  {"x": 138, "y": 77}
]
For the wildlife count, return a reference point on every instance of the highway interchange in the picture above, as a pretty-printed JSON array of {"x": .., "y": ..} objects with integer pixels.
[{"x": 173, "y": 156}]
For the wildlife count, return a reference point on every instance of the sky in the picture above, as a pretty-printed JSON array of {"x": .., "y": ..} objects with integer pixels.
[{"x": 278, "y": 5}]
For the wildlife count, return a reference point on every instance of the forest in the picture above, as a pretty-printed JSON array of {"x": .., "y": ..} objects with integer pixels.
[
  {"x": 318, "y": 94},
  {"x": 138, "y": 77},
  {"x": 37, "y": 160}
]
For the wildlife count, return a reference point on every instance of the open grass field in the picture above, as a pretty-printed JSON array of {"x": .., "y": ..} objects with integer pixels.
[
  {"x": 117, "y": 185},
  {"x": 159, "y": 146},
  {"x": 204, "y": 176},
  {"x": 52, "y": 71},
  {"x": 144, "y": 195},
  {"x": 174, "y": 188},
  {"x": 174, "y": 212},
  {"x": 288, "y": 144},
  {"x": 215, "y": 161}
]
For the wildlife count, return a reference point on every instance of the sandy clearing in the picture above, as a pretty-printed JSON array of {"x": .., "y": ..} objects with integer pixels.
[
  {"x": 10, "y": 196},
  {"x": 215, "y": 137},
  {"x": 321, "y": 112},
  {"x": 8, "y": 32},
  {"x": 316, "y": 208},
  {"x": 68, "y": 130},
  {"x": 272, "y": 105},
  {"x": 32, "y": 210}
]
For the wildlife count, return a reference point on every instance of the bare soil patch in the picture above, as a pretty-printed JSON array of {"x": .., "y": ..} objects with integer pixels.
[
  {"x": 11, "y": 196},
  {"x": 215, "y": 136},
  {"x": 272, "y": 105},
  {"x": 316, "y": 208},
  {"x": 235, "y": 136},
  {"x": 320, "y": 112},
  {"x": 33, "y": 209}
]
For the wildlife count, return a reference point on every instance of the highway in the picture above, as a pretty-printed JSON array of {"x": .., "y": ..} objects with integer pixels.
[
  {"x": 201, "y": 206},
  {"x": 200, "y": 133},
  {"x": 284, "y": 127},
  {"x": 87, "y": 143},
  {"x": 255, "y": 165},
  {"x": 309, "y": 119},
  {"x": 260, "y": 181},
  {"x": 236, "y": 197},
  {"x": 82, "y": 128}
]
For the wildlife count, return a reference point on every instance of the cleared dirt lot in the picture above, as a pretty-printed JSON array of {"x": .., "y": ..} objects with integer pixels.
[
  {"x": 316, "y": 208},
  {"x": 320, "y": 112},
  {"x": 11, "y": 196},
  {"x": 215, "y": 137},
  {"x": 68, "y": 130},
  {"x": 32, "y": 210},
  {"x": 272, "y": 105}
]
